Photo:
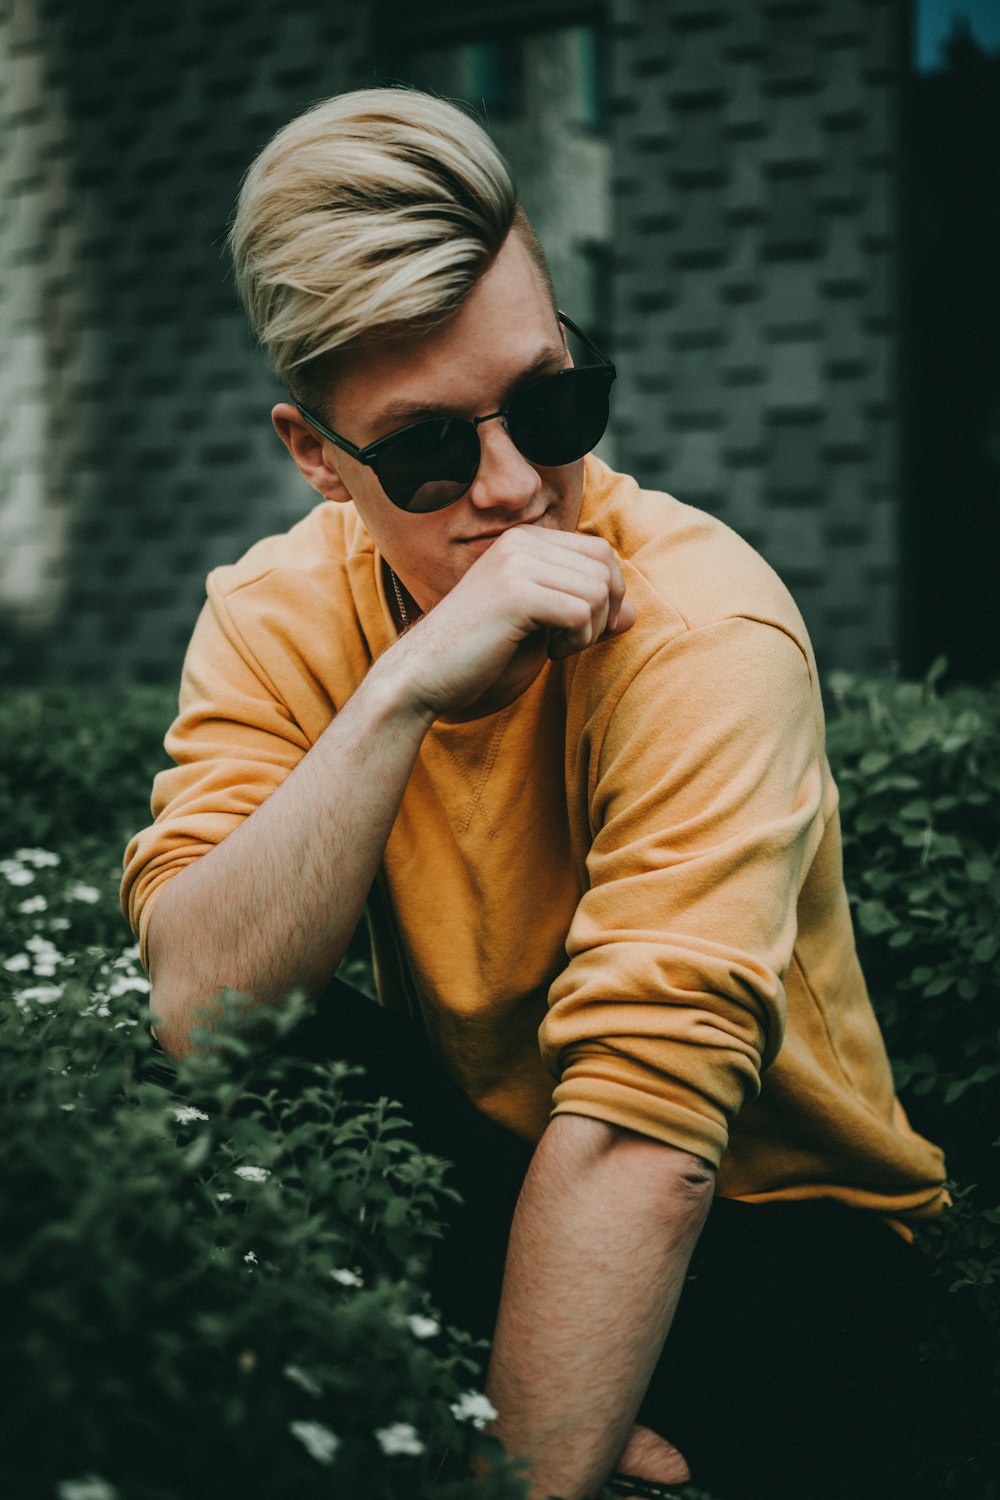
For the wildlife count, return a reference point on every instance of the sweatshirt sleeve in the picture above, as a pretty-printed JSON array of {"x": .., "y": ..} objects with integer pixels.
[
  {"x": 705, "y": 805},
  {"x": 233, "y": 742}
]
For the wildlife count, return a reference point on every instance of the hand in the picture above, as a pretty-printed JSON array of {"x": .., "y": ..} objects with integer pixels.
[
  {"x": 649, "y": 1456},
  {"x": 534, "y": 591}
]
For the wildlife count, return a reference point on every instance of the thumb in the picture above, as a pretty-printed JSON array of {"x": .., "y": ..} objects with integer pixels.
[
  {"x": 649, "y": 1456},
  {"x": 627, "y": 616}
]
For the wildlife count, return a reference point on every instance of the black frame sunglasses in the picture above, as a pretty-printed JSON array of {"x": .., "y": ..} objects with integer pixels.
[{"x": 551, "y": 419}]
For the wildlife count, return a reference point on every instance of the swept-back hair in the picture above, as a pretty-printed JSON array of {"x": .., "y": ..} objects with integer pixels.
[{"x": 373, "y": 212}]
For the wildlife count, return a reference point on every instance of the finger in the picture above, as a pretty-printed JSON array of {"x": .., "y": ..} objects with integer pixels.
[
  {"x": 616, "y": 594},
  {"x": 570, "y": 584},
  {"x": 566, "y": 641},
  {"x": 566, "y": 595},
  {"x": 649, "y": 1456},
  {"x": 560, "y": 646},
  {"x": 595, "y": 552},
  {"x": 626, "y": 618},
  {"x": 548, "y": 541}
]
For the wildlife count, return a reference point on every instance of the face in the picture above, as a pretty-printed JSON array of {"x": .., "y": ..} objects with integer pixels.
[{"x": 504, "y": 333}]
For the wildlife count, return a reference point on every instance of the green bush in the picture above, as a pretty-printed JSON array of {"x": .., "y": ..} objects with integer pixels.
[
  {"x": 211, "y": 1283},
  {"x": 76, "y": 767},
  {"x": 167, "y": 1340},
  {"x": 919, "y": 778}
]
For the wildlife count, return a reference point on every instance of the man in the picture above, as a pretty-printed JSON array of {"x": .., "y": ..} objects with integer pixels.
[{"x": 566, "y": 738}]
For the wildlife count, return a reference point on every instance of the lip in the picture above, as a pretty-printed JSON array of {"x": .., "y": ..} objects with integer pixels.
[{"x": 491, "y": 536}]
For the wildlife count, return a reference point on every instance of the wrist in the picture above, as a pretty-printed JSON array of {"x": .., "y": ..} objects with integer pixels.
[{"x": 392, "y": 692}]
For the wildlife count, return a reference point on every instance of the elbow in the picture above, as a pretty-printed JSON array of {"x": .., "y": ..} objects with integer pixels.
[
  {"x": 178, "y": 1012},
  {"x": 171, "y": 1024},
  {"x": 650, "y": 1165},
  {"x": 685, "y": 1173},
  {"x": 186, "y": 1006}
]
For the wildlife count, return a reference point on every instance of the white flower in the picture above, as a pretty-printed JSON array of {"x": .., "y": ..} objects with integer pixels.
[
  {"x": 42, "y": 994},
  {"x": 44, "y": 968},
  {"x": 401, "y": 1437},
  {"x": 346, "y": 1277},
  {"x": 80, "y": 892},
  {"x": 122, "y": 984},
  {"x": 223, "y": 1197},
  {"x": 474, "y": 1407},
  {"x": 40, "y": 858},
  {"x": 67, "y": 1107},
  {"x": 58, "y": 924},
  {"x": 251, "y": 1259},
  {"x": 253, "y": 1174},
  {"x": 187, "y": 1114},
  {"x": 18, "y": 963},
  {"x": 33, "y": 904},
  {"x": 15, "y": 873},
  {"x": 423, "y": 1327},
  {"x": 41, "y": 946},
  {"x": 91, "y": 1487},
  {"x": 319, "y": 1442}
]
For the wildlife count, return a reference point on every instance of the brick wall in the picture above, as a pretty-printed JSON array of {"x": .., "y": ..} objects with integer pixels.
[
  {"x": 754, "y": 178},
  {"x": 135, "y": 446},
  {"x": 755, "y": 210}
]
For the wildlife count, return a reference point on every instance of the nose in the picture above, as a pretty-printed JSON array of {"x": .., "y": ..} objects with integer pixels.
[{"x": 505, "y": 480}]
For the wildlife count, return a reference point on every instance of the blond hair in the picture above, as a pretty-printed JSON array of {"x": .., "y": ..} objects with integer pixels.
[{"x": 374, "y": 211}]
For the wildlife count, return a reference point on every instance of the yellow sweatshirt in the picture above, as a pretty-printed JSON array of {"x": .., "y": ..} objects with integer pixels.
[{"x": 621, "y": 896}]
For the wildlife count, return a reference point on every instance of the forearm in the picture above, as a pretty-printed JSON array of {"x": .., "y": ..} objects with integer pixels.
[
  {"x": 274, "y": 905},
  {"x": 599, "y": 1248}
]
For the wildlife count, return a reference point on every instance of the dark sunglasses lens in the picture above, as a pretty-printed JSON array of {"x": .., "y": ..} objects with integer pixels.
[
  {"x": 429, "y": 465},
  {"x": 558, "y": 418}
]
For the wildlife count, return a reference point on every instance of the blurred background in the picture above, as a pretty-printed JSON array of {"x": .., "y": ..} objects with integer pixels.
[{"x": 781, "y": 218}]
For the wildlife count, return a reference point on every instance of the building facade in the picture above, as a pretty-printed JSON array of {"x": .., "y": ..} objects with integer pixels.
[{"x": 718, "y": 184}]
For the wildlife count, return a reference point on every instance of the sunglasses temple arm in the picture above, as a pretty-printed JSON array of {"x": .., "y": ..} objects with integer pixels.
[
  {"x": 330, "y": 435},
  {"x": 588, "y": 343}
]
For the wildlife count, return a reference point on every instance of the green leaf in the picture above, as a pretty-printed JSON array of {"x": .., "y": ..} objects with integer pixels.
[
  {"x": 875, "y": 917},
  {"x": 197, "y": 1153}
]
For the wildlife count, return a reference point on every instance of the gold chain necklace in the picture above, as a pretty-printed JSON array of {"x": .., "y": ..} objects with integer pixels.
[{"x": 399, "y": 600}]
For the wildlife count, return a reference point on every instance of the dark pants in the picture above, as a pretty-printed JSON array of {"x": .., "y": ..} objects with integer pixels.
[{"x": 791, "y": 1371}]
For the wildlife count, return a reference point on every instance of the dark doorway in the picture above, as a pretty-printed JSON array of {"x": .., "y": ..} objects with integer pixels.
[{"x": 951, "y": 360}]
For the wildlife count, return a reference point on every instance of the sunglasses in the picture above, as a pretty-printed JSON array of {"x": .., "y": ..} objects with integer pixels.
[{"x": 551, "y": 419}]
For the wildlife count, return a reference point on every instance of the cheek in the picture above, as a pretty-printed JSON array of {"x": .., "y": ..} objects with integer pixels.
[{"x": 567, "y": 482}]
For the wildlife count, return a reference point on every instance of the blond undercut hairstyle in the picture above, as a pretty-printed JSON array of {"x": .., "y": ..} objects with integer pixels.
[{"x": 373, "y": 213}]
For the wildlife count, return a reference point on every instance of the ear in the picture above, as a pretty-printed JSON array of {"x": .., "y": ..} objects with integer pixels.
[{"x": 314, "y": 457}]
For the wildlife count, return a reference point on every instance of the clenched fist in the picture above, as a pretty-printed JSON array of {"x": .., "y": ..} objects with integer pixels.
[{"x": 534, "y": 592}]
